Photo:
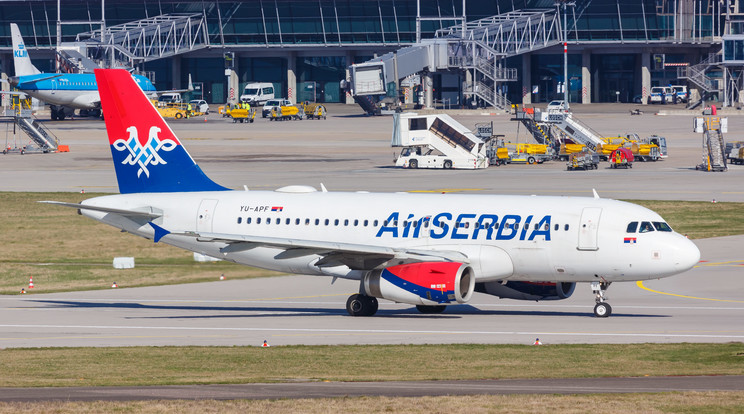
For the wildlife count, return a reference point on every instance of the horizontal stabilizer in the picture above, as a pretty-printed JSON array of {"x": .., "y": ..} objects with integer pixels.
[{"x": 126, "y": 213}]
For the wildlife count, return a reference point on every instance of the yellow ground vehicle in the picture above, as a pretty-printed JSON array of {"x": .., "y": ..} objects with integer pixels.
[
  {"x": 567, "y": 149},
  {"x": 225, "y": 110},
  {"x": 314, "y": 111},
  {"x": 243, "y": 115},
  {"x": 281, "y": 113},
  {"x": 177, "y": 111}
]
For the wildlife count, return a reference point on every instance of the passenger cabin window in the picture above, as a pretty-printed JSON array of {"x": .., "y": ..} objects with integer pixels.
[
  {"x": 417, "y": 124},
  {"x": 646, "y": 227},
  {"x": 632, "y": 227}
]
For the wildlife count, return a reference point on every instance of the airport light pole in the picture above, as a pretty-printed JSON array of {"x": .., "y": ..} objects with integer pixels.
[{"x": 566, "y": 83}]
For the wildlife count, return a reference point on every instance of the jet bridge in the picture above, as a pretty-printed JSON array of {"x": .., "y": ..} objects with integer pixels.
[
  {"x": 436, "y": 141},
  {"x": 479, "y": 48}
]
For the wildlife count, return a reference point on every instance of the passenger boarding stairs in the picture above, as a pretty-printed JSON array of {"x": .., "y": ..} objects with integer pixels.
[
  {"x": 541, "y": 131},
  {"x": 39, "y": 134},
  {"x": 573, "y": 129},
  {"x": 697, "y": 75},
  {"x": 714, "y": 147}
]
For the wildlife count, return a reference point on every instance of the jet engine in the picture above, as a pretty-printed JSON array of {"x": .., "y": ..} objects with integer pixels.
[
  {"x": 527, "y": 290},
  {"x": 426, "y": 283}
]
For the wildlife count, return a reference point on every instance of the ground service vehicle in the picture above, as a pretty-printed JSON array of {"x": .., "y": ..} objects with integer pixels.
[
  {"x": 243, "y": 115},
  {"x": 285, "y": 113},
  {"x": 269, "y": 105},
  {"x": 621, "y": 158},
  {"x": 584, "y": 160},
  {"x": 567, "y": 149},
  {"x": 314, "y": 111},
  {"x": 257, "y": 93},
  {"x": 735, "y": 151},
  {"x": 437, "y": 141}
]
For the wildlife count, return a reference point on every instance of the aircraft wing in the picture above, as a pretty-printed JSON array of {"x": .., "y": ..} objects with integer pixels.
[
  {"x": 126, "y": 213},
  {"x": 355, "y": 256}
]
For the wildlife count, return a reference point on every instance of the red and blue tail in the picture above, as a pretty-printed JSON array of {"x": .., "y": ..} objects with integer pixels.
[{"x": 148, "y": 157}]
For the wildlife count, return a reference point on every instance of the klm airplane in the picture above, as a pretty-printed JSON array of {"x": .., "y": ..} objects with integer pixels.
[{"x": 63, "y": 92}]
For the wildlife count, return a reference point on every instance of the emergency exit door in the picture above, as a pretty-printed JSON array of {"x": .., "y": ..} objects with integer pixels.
[
  {"x": 205, "y": 215},
  {"x": 589, "y": 228}
]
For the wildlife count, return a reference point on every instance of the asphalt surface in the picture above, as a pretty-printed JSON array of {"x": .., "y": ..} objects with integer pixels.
[{"x": 390, "y": 389}]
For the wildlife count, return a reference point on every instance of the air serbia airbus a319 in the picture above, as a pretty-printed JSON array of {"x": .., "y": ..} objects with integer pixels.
[{"x": 428, "y": 250}]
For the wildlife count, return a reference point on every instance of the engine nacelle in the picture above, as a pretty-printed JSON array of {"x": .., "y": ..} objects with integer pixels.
[
  {"x": 528, "y": 290},
  {"x": 427, "y": 283}
]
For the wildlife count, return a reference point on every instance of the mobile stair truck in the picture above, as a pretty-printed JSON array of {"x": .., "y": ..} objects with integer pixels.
[{"x": 436, "y": 141}]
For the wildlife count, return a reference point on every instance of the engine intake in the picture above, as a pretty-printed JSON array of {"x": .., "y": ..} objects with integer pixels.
[
  {"x": 527, "y": 290},
  {"x": 426, "y": 283}
]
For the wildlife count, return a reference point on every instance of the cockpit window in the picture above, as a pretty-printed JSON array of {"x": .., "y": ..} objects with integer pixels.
[
  {"x": 661, "y": 226},
  {"x": 646, "y": 227},
  {"x": 632, "y": 227}
]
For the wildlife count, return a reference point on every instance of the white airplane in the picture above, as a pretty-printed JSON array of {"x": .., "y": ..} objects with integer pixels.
[
  {"x": 428, "y": 250},
  {"x": 64, "y": 92}
]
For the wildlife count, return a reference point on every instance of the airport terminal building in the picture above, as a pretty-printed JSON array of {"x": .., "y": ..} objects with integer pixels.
[{"x": 617, "y": 50}]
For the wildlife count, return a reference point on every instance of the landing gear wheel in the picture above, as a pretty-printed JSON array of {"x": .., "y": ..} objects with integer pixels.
[
  {"x": 413, "y": 164},
  {"x": 361, "y": 305},
  {"x": 431, "y": 309},
  {"x": 602, "y": 310}
]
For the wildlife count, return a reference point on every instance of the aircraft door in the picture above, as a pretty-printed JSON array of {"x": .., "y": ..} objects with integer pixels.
[
  {"x": 205, "y": 215},
  {"x": 588, "y": 228}
]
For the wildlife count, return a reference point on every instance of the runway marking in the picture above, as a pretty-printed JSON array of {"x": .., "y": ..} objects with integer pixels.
[
  {"x": 640, "y": 285},
  {"x": 716, "y": 264},
  {"x": 93, "y": 336},
  {"x": 388, "y": 331}
]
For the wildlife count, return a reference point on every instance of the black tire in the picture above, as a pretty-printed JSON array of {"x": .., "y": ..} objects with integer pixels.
[
  {"x": 179, "y": 115},
  {"x": 447, "y": 164},
  {"x": 361, "y": 305},
  {"x": 531, "y": 160},
  {"x": 61, "y": 115},
  {"x": 413, "y": 164},
  {"x": 602, "y": 310},
  {"x": 426, "y": 309}
]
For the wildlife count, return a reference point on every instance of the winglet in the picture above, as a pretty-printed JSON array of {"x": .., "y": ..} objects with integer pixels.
[
  {"x": 595, "y": 193},
  {"x": 159, "y": 232}
]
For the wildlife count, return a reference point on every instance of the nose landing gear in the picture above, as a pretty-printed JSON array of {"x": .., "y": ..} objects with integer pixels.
[{"x": 602, "y": 309}]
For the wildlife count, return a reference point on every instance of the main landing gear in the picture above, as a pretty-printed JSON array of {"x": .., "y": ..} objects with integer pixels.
[
  {"x": 602, "y": 309},
  {"x": 361, "y": 305}
]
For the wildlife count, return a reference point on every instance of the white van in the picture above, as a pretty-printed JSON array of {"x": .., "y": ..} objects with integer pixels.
[
  {"x": 257, "y": 93},
  {"x": 169, "y": 98}
]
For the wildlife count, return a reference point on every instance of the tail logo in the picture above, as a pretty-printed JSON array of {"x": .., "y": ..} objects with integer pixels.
[
  {"x": 143, "y": 155},
  {"x": 20, "y": 51}
]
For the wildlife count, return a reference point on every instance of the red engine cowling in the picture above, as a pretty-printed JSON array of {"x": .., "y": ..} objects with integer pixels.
[
  {"x": 527, "y": 290},
  {"x": 427, "y": 283}
]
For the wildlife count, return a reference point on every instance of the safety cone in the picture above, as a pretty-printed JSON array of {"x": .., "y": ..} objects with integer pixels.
[
  {"x": 205, "y": 119},
  {"x": 265, "y": 344},
  {"x": 31, "y": 282},
  {"x": 114, "y": 285}
]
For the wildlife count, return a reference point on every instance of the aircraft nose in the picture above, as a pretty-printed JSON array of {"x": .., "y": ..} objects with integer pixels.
[{"x": 686, "y": 255}]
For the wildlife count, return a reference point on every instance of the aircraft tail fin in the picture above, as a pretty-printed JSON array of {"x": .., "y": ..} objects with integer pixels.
[
  {"x": 22, "y": 62},
  {"x": 148, "y": 157}
]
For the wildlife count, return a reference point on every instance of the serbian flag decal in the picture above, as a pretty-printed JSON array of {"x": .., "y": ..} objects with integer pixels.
[{"x": 629, "y": 240}]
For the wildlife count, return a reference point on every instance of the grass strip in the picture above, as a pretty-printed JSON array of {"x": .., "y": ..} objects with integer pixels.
[{"x": 57, "y": 367}]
